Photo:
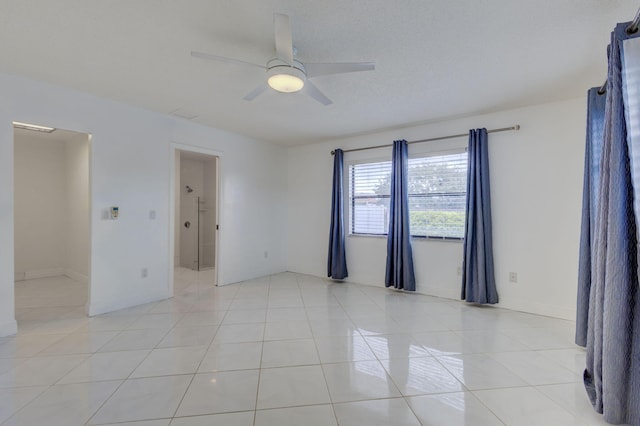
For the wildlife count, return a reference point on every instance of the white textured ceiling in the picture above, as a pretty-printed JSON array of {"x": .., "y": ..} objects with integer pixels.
[{"x": 434, "y": 58}]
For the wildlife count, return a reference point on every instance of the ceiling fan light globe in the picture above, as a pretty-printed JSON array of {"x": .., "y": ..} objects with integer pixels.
[
  {"x": 285, "y": 83},
  {"x": 285, "y": 78}
]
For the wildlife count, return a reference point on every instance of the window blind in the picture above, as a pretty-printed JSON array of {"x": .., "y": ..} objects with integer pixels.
[{"x": 437, "y": 196}]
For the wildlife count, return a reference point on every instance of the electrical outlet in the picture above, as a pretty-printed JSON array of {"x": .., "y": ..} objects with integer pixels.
[
  {"x": 459, "y": 270},
  {"x": 152, "y": 214},
  {"x": 513, "y": 277},
  {"x": 266, "y": 254},
  {"x": 144, "y": 272}
]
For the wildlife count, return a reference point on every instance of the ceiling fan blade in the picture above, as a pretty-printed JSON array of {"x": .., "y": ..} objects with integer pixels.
[
  {"x": 211, "y": 57},
  {"x": 314, "y": 70},
  {"x": 311, "y": 90},
  {"x": 284, "y": 42},
  {"x": 256, "y": 92}
]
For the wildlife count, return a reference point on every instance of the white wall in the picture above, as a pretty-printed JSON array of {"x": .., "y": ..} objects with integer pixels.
[
  {"x": 131, "y": 161},
  {"x": 536, "y": 184},
  {"x": 40, "y": 206}
]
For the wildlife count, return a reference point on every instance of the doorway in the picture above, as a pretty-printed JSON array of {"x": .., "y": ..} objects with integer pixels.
[
  {"x": 51, "y": 225},
  {"x": 196, "y": 213}
]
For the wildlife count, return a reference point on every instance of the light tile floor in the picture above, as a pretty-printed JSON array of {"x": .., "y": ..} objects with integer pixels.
[{"x": 287, "y": 349}]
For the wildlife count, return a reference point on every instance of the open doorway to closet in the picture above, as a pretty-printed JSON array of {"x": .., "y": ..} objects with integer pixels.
[
  {"x": 196, "y": 207},
  {"x": 51, "y": 225}
]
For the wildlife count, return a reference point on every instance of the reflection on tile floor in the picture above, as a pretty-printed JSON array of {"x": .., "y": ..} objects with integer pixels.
[{"x": 286, "y": 349}]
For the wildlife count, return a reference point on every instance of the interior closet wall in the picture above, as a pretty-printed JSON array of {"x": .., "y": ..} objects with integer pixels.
[
  {"x": 40, "y": 206},
  {"x": 51, "y": 176},
  {"x": 77, "y": 207}
]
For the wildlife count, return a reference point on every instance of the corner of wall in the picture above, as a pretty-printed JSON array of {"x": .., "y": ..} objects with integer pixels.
[
  {"x": 8, "y": 328},
  {"x": 76, "y": 276}
]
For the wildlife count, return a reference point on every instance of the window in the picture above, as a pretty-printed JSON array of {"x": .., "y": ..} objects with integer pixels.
[{"x": 437, "y": 196}]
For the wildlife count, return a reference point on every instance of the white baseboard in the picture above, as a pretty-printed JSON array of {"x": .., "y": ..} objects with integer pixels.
[
  {"x": 54, "y": 272},
  {"x": 547, "y": 310},
  {"x": 8, "y": 328},
  {"x": 442, "y": 292},
  {"x": 98, "y": 308},
  {"x": 43, "y": 273},
  {"x": 76, "y": 276}
]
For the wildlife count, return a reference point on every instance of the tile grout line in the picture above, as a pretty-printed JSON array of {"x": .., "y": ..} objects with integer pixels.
[
  {"x": 315, "y": 343},
  {"x": 197, "y": 368}
]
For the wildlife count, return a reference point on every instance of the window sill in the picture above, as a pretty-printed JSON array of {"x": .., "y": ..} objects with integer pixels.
[
  {"x": 438, "y": 239},
  {"x": 367, "y": 236},
  {"x": 413, "y": 238}
]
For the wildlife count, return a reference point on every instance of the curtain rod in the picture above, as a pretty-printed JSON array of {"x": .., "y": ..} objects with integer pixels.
[
  {"x": 631, "y": 29},
  {"x": 504, "y": 129}
]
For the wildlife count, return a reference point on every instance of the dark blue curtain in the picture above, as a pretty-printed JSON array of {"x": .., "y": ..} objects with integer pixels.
[
  {"x": 399, "y": 253},
  {"x": 612, "y": 375},
  {"x": 478, "y": 280},
  {"x": 592, "y": 156},
  {"x": 337, "y": 263}
]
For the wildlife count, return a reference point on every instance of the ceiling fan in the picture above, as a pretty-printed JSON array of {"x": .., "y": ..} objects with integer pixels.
[{"x": 287, "y": 74}]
